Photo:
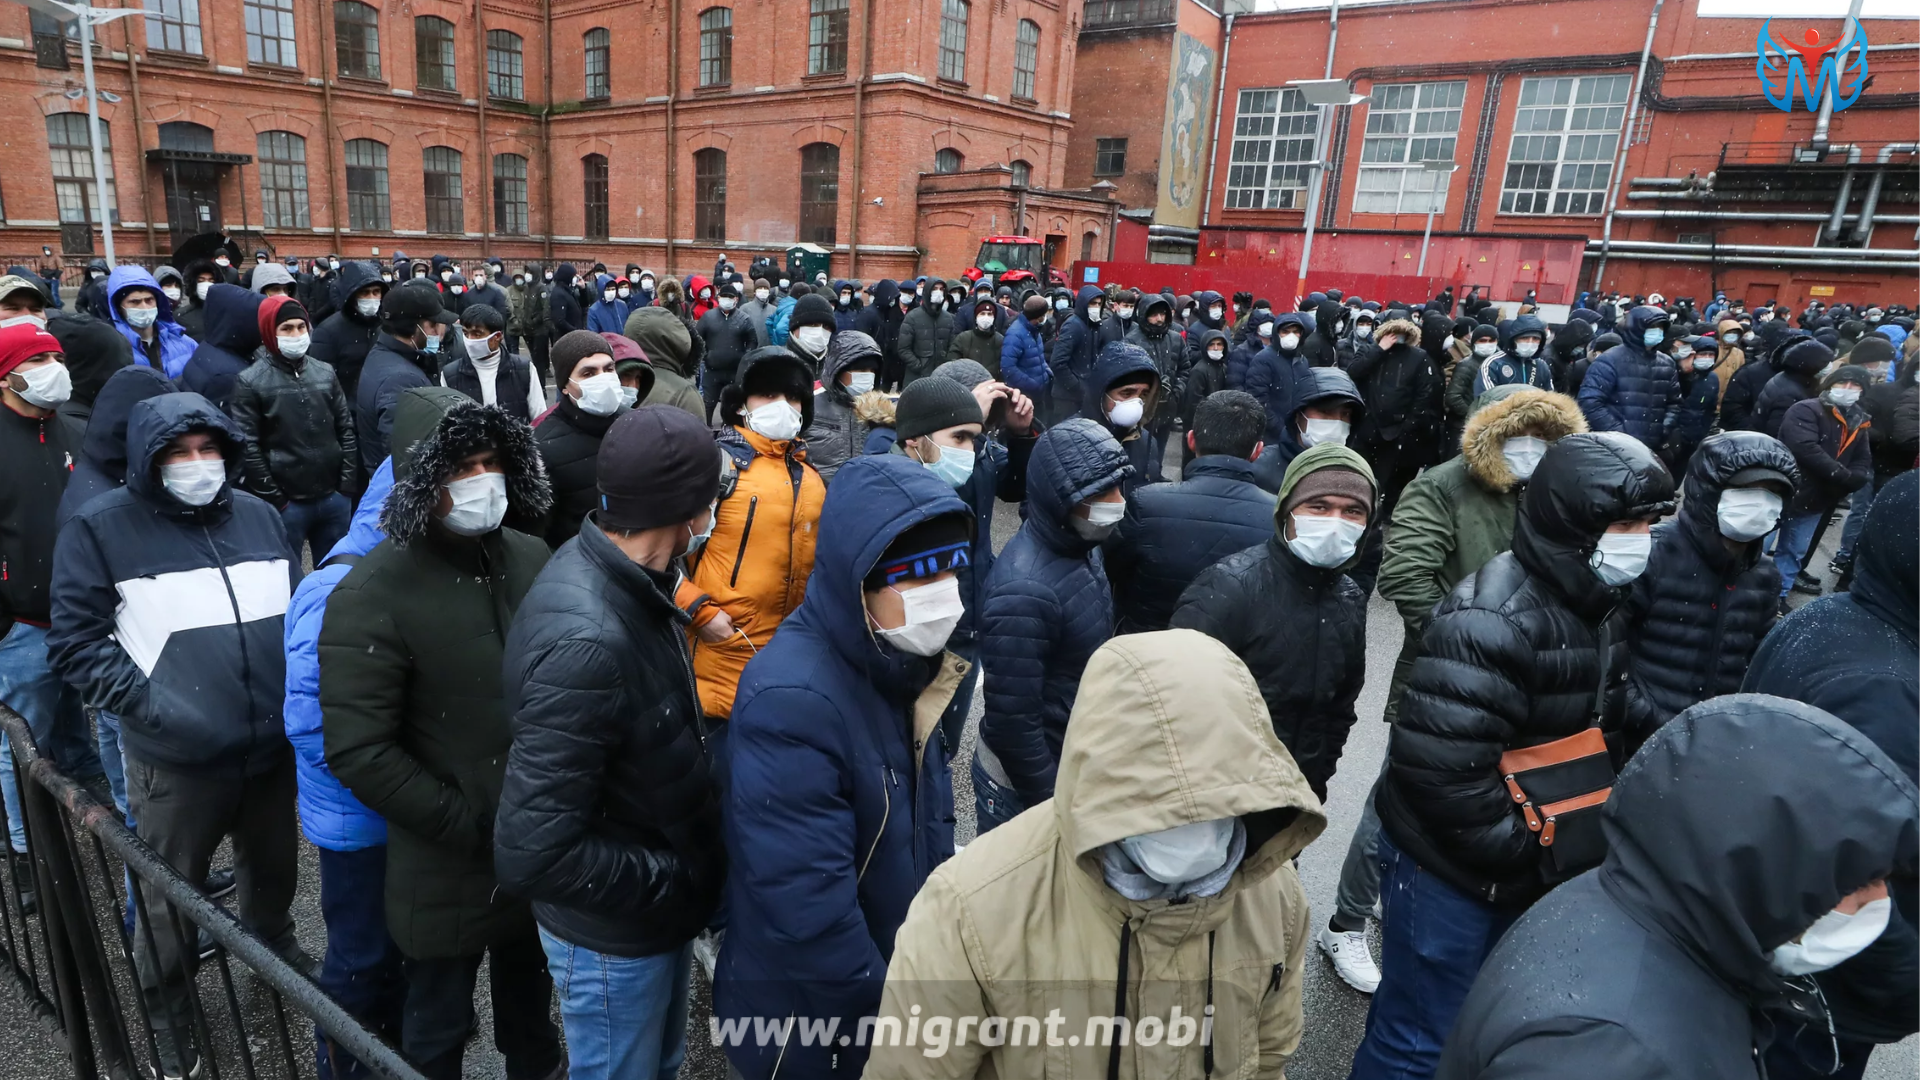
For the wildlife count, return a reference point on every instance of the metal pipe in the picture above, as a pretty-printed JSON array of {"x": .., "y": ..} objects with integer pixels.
[
  {"x": 1219, "y": 104},
  {"x": 486, "y": 150},
  {"x": 1427, "y": 237},
  {"x": 1826, "y": 100},
  {"x": 1316, "y": 179},
  {"x": 1865, "y": 228},
  {"x": 1850, "y": 260},
  {"x": 1660, "y": 181},
  {"x": 673, "y": 96},
  {"x": 1759, "y": 215},
  {"x": 1834, "y": 221},
  {"x": 859, "y": 123},
  {"x": 320, "y": 16},
  {"x": 1903, "y": 46},
  {"x": 93, "y": 131},
  {"x": 546, "y": 142},
  {"x": 1626, "y": 140},
  {"x": 140, "y": 149},
  {"x": 1760, "y": 249}
]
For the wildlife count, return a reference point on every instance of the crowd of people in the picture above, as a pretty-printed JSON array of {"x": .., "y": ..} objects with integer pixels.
[{"x": 655, "y": 644}]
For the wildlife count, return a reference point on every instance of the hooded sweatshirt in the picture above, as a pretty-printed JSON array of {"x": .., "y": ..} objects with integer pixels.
[
  {"x": 1121, "y": 363},
  {"x": 171, "y": 346},
  {"x": 1631, "y": 387},
  {"x": 344, "y": 337},
  {"x": 233, "y": 333},
  {"x": 1169, "y": 729},
  {"x": 101, "y": 465},
  {"x": 664, "y": 337}
]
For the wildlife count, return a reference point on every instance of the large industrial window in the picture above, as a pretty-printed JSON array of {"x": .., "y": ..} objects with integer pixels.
[
  {"x": 72, "y": 154},
  {"x": 710, "y": 194},
  {"x": 504, "y": 76},
  {"x": 283, "y": 179},
  {"x": 598, "y": 45},
  {"x": 173, "y": 25},
  {"x": 1407, "y": 124},
  {"x": 819, "y": 192},
  {"x": 716, "y": 46},
  {"x": 510, "y": 194},
  {"x": 953, "y": 40},
  {"x": 356, "y": 38},
  {"x": 433, "y": 53},
  {"x": 270, "y": 32},
  {"x": 1272, "y": 143},
  {"x": 367, "y": 204},
  {"x": 1565, "y": 134},
  {"x": 593, "y": 176},
  {"x": 827, "y": 37},
  {"x": 1109, "y": 157},
  {"x": 1026, "y": 59},
  {"x": 445, "y": 196}
]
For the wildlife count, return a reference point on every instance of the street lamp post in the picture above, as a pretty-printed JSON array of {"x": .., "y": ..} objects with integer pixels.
[
  {"x": 1326, "y": 95},
  {"x": 87, "y": 15},
  {"x": 1432, "y": 206}
]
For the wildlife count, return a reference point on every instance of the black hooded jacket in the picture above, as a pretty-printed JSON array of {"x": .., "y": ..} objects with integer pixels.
[
  {"x": 1075, "y": 347},
  {"x": 393, "y": 366},
  {"x": 1742, "y": 822},
  {"x": 1163, "y": 345},
  {"x": 1698, "y": 613},
  {"x": 1203, "y": 323},
  {"x": 1567, "y": 346},
  {"x": 563, "y": 305},
  {"x": 1743, "y": 393},
  {"x": 1205, "y": 376},
  {"x": 836, "y": 433},
  {"x": 233, "y": 333},
  {"x": 345, "y": 336},
  {"x": 1321, "y": 346},
  {"x": 1401, "y": 386},
  {"x": 1520, "y": 654},
  {"x": 101, "y": 464},
  {"x": 1117, "y": 362},
  {"x": 1798, "y": 379},
  {"x": 568, "y": 439},
  {"x": 94, "y": 352}
]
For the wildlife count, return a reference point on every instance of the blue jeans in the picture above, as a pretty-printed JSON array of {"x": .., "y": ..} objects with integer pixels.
[
  {"x": 625, "y": 1017},
  {"x": 1790, "y": 545},
  {"x": 321, "y": 522},
  {"x": 362, "y": 969},
  {"x": 1856, "y": 520},
  {"x": 1432, "y": 945},
  {"x": 106, "y": 731},
  {"x": 52, "y": 710}
]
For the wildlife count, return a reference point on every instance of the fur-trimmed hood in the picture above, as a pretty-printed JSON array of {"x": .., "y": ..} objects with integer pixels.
[
  {"x": 875, "y": 408},
  {"x": 1506, "y": 411},
  {"x": 434, "y": 429},
  {"x": 1406, "y": 328}
]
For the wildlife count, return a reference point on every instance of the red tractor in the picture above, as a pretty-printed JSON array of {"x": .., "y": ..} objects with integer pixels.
[{"x": 1011, "y": 260}]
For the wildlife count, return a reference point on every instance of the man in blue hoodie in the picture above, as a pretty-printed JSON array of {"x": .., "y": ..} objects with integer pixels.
[
  {"x": 840, "y": 716},
  {"x": 144, "y": 316},
  {"x": 1634, "y": 387}
]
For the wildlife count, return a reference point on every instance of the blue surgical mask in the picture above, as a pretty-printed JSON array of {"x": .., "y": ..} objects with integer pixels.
[
  {"x": 955, "y": 465},
  {"x": 432, "y": 345},
  {"x": 1653, "y": 337}
]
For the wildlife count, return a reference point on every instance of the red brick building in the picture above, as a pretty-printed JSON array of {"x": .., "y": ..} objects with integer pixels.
[
  {"x": 654, "y": 131},
  {"x": 1530, "y": 100}
]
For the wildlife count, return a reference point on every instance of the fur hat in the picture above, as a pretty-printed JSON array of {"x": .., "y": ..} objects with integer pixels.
[{"x": 465, "y": 428}]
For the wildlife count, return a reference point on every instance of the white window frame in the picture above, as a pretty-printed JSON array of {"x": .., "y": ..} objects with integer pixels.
[
  {"x": 1273, "y": 140},
  {"x": 1407, "y": 123},
  {"x": 1566, "y": 130}
]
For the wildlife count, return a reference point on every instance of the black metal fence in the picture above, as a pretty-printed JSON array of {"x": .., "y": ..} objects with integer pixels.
[{"x": 65, "y": 945}]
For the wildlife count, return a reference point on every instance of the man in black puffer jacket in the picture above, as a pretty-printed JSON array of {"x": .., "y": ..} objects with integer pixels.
[
  {"x": 1401, "y": 387},
  {"x": 609, "y": 817},
  {"x": 1048, "y": 607},
  {"x": 1173, "y": 531},
  {"x": 1798, "y": 379},
  {"x": 1634, "y": 387},
  {"x": 1529, "y": 650},
  {"x": 1288, "y": 609},
  {"x": 1155, "y": 333},
  {"x": 568, "y": 436},
  {"x": 1708, "y": 596}
]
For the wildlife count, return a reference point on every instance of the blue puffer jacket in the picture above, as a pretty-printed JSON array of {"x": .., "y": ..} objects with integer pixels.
[
  {"x": 1240, "y": 357},
  {"x": 233, "y": 333},
  {"x": 175, "y": 346},
  {"x": 1632, "y": 388},
  {"x": 833, "y": 821},
  {"x": 1174, "y": 531},
  {"x": 329, "y": 814},
  {"x": 1048, "y": 607},
  {"x": 777, "y": 328},
  {"x": 1023, "y": 359}
]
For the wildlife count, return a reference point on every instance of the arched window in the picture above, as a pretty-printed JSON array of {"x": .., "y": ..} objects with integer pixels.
[
  {"x": 445, "y": 197},
  {"x": 598, "y": 44},
  {"x": 947, "y": 160},
  {"x": 716, "y": 46},
  {"x": 433, "y": 54},
  {"x": 1026, "y": 59},
  {"x": 710, "y": 194},
  {"x": 510, "y": 194},
  {"x": 283, "y": 179},
  {"x": 819, "y": 192},
  {"x": 505, "y": 78},
  {"x": 1022, "y": 173},
  {"x": 593, "y": 176},
  {"x": 367, "y": 201},
  {"x": 953, "y": 40},
  {"x": 356, "y": 39},
  {"x": 72, "y": 153}
]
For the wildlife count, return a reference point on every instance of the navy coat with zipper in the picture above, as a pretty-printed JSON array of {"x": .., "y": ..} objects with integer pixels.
[
  {"x": 1632, "y": 388},
  {"x": 833, "y": 817},
  {"x": 345, "y": 336},
  {"x": 1173, "y": 531},
  {"x": 1123, "y": 361},
  {"x": 1075, "y": 347},
  {"x": 232, "y": 335},
  {"x": 1833, "y": 449}
]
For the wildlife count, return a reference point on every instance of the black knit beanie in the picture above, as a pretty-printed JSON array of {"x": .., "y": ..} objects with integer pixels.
[
  {"x": 930, "y": 405},
  {"x": 573, "y": 347},
  {"x": 657, "y": 466}
]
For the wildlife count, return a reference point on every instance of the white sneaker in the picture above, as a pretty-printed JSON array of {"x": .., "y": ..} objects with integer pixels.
[
  {"x": 706, "y": 951},
  {"x": 1351, "y": 960}
]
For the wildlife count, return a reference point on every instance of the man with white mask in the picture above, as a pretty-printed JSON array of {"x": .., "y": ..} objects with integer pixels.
[
  {"x": 841, "y": 800},
  {"x": 416, "y": 724},
  {"x": 1708, "y": 597},
  {"x": 1154, "y": 894},
  {"x": 483, "y": 370},
  {"x": 1751, "y": 843},
  {"x": 590, "y": 400}
]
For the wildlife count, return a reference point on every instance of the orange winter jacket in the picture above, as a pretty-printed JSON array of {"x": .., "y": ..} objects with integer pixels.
[{"x": 755, "y": 565}]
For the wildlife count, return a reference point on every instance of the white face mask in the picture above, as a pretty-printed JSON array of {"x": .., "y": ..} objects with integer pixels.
[
  {"x": 1325, "y": 431},
  {"x": 629, "y": 395},
  {"x": 194, "y": 482},
  {"x": 776, "y": 420},
  {"x": 1525, "y": 350},
  {"x": 932, "y": 611},
  {"x": 1123, "y": 311},
  {"x": 1216, "y": 313},
  {"x": 293, "y": 348},
  {"x": 646, "y": 284},
  {"x": 1127, "y": 413},
  {"x": 1621, "y": 557},
  {"x": 479, "y": 348},
  {"x": 1100, "y": 520},
  {"x": 983, "y": 322},
  {"x": 1845, "y": 397},
  {"x": 727, "y": 303},
  {"x": 1061, "y": 304},
  {"x": 610, "y": 295},
  {"x": 1749, "y": 513},
  {"x": 623, "y": 293},
  {"x": 48, "y": 386},
  {"x": 784, "y": 285},
  {"x": 1833, "y": 939},
  {"x": 599, "y": 394},
  {"x": 1183, "y": 853},
  {"x": 479, "y": 504},
  {"x": 172, "y": 293},
  {"x": 1216, "y": 354},
  {"x": 479, "y": 281},
  {"x": 859, "y": 382},
  {"x": 1703, "y": 363},
  {"x": 813, "y": 339},
  {"x": 17, "y": 320},
  {"x": 368, "y": 306},
  {"x": 1094, "y": 314},
  {"x": 1364, "y": 330},
  {"x": 937, "y": 297},
  {"x": 761, "y": 295},
  {"x": 141, "y": 318},
  {"x": 1445, "y": 343},
  {"x": 1289, "y": 342},
  {"x": 1484, "y": 349},
  {"x": 1325, "y": 542},
  {"x": 1522, "y": 454}
]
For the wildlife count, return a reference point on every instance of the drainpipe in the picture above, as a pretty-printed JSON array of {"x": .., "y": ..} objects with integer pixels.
[
  {"x": 1861, "y": 231},
  {"x": 1845, "y": 261},
  {"x": 486, "y": 150},
  {"x": 1826, "y": 100},
  {"x": 1836, "y": 220},
  {"x": 1626, "y": 140},
  {"x": 859, "y": 123},
  {"x": 140, "y": 149},
  {"x": 1219, "y": 102},
  {"x": 1760, "y": 215},
  {"x": 1758, "y": 249},
  {"x": 1316, "y": 183},
  {"x": 546, "y": 141},
  {"x": 326, "y": 113},
  {"x": 673, "y": 97}
]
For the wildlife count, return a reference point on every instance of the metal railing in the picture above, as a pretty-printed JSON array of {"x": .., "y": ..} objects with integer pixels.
[{"x": 71, "y": 955}]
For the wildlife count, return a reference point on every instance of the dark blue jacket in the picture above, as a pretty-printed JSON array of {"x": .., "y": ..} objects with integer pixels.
[
  {"x": 392, "y": 368},
  {"x": 1048, "y": 607},
  {"x": 170, "y": 615},
  {"x": 1632, "y": 388},
  {"x": 1173, "y": 531},
  {"x": 562, "y": 306},
  {"x": 833, "y": 821},
  {"x": 1117, "y": 361},
  {"x": 1075, "y": 346},
  {"x": 1240, "y": 357},
  {"x": 1273, "y": 376},
  {"x": 102, "y": 464},
  {"x": 232, "y": 334},
  {"x": 1694, "y": 412},
  {"x": 330, "y": 815},
  {"x": 1023, "y": 359}
]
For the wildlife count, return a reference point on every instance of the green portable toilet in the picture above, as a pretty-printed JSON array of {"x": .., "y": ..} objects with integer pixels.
[{"x": 806, "y": 260}]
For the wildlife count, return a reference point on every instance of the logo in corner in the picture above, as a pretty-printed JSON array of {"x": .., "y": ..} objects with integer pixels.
[{"x": 1839, "y": 66}]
